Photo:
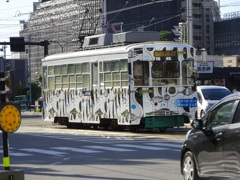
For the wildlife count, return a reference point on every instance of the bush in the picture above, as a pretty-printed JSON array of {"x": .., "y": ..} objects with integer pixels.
[{"x": 38, "y": 110}]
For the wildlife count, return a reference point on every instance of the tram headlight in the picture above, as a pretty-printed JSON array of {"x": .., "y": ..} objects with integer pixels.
[{"x": 166, "y": 97}]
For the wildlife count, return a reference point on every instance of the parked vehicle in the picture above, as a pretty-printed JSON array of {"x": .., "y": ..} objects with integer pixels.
[
  {"x": 208, "y": 96},
  {"x": 212, "y": 147},
  {"x": 22, "y": 101}
]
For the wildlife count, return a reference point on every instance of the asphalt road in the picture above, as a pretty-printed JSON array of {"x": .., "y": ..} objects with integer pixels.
[{"x": 46, "y": 151}]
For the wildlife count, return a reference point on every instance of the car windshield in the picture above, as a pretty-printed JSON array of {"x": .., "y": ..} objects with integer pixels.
[{"x": 215, "y": 94}]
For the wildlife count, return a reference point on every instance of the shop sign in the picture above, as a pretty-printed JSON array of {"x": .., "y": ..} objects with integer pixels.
[{"x": 205, "y": 67}]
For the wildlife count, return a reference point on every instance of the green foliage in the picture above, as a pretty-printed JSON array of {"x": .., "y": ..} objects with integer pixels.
[
  {"x": 36, "y": 91},
  {"x": 20, "y": 89},
  {"x": 163, "y": 34}
]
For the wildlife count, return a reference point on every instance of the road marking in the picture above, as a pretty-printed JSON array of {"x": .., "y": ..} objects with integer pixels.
[
  {"x": 141, "y": 147},
  {"x": 19, "y": 154},
  {"x": 109, "y": 148},
  {"x": 49, "y": 152},
  {"x": 166, "y": 145},
  {"x": 76, "y": 150}
]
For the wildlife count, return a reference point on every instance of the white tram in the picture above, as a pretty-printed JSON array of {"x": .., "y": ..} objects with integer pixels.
[{"x": 146, "y": 84}]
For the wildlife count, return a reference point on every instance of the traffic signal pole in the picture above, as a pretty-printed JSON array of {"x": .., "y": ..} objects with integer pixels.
[
  {"x": 6, "y": 159},
  {"x": 21, "y": 44}
]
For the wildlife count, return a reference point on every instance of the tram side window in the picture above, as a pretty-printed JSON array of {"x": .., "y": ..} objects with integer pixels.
[
  {"x": 71, "y": 72},
  {"x": 188, "y": 72},
  {"x": 141, "y": 73},
  {"x": 83, "y": 75},
  {"x": 95, "y": 75},
  {"x": 114, "y": 73},
  {"x": 124, "y": 72},
  {"x": 51, "y": 79}
]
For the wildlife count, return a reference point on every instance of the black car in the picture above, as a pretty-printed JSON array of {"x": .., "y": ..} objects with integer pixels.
[{"x": 212, "y": 147}]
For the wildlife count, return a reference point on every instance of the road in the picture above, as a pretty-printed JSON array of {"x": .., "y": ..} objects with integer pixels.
[{"x": 45, "y": 151}]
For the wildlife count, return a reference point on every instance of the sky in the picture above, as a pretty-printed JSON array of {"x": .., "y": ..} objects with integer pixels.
[{"x": 12, "y": 11}]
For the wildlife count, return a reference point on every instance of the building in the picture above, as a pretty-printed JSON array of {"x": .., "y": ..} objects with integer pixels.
[
  {"x": 227, "y": 35},
  {"x": 204, "y": 14},
  {"x": 20, "y": 68},
  {"x": 231, "y": 61}
]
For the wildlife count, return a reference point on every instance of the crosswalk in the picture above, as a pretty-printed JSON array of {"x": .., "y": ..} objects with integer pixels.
[{"x": 97, "y": 148}]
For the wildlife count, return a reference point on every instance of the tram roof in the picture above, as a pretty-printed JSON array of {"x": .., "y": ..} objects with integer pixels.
[{"x": 110, "y": 50}]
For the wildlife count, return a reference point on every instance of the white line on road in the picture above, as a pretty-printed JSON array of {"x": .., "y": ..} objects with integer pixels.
[
  {"x": 141, "y": 147},
  {"x": 75, "y": 150},
  {"x": 50, "y": 152},
  {"x": 109, "y": 148},
  {"x": 166, "y": 145}
]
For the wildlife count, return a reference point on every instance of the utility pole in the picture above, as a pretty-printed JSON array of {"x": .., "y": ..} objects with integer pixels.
[{"x": 189, "y": 22}]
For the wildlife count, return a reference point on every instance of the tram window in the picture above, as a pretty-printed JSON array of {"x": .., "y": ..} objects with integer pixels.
[
  {"x": 72, "y": 81},
  {"x": 51, "y": 83},
  {"x": 187, "y": 68},
  {"x": 51, "y": 70},
  {"x": 71, "y": 69},
  {"x": 100, "y": 68},
  {"x": 165, "y": 69},
  {"x": 141, "y": 73},
  {"x": 57, "y": 70},
  {"x": 115, "y": 66},
  {"x": 116, "y": 79},
  {"x": 64, "y": 69},
  {"x": 101, "y": 80},
  {"x": 116, "y": 76},
  {"x": 107, "y": 66},
  {"x": 58, "y": 80},
  {"x": 86, "y": 68},
  {"x": 65, "y": 79},
  {"x": 95, "y": 74},
  {"x": 78, "y": 68},
  {"x": 79, "y": 80},
  {"x": 86, "y": 81},
  {"x": 124, "y": 65},
  {"x": 107, "y": 80},
  {"x": 124, "y": 76},
  {"x": 107, "y": 77}
]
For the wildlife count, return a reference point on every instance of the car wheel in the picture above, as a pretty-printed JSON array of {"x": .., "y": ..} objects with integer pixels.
[{"x": 189, "y": 168}]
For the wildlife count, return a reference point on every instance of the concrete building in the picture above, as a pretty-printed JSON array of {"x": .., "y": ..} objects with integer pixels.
[
  {"x": 20, "y": 68},
  {"x": 227, "y": 35},
  {"x": 231, "y": 61},
  {"x": 204, "y": 14}
]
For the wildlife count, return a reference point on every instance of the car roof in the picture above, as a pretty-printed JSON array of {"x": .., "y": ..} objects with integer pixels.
[
  {"x": 211, "y": 87},
  {"x": 233, "y": 96}
]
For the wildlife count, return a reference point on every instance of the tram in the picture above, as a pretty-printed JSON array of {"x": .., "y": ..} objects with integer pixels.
[{"x": 129, "y": 84}]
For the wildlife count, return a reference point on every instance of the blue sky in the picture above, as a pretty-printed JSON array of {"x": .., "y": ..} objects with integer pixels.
[{"x": 15, "y": 10}]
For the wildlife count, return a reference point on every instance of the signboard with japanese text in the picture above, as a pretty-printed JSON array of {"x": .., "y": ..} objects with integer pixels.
[
  {"x": 205, "y": 67},
  {"x": 186, "y": 103}
]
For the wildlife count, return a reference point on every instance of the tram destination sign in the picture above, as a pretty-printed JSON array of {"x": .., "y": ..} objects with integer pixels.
[{"x": 165, "y": 53}]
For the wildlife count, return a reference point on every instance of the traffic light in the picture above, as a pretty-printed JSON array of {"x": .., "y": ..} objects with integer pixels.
[
  {"x": 180, "y": 32},
  {"x": 17, "y": 44},
  {"x": 9, "y": 84}
]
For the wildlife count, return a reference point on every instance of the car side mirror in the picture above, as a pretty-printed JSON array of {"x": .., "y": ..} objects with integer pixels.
[{"x": 197, "y": 124}]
